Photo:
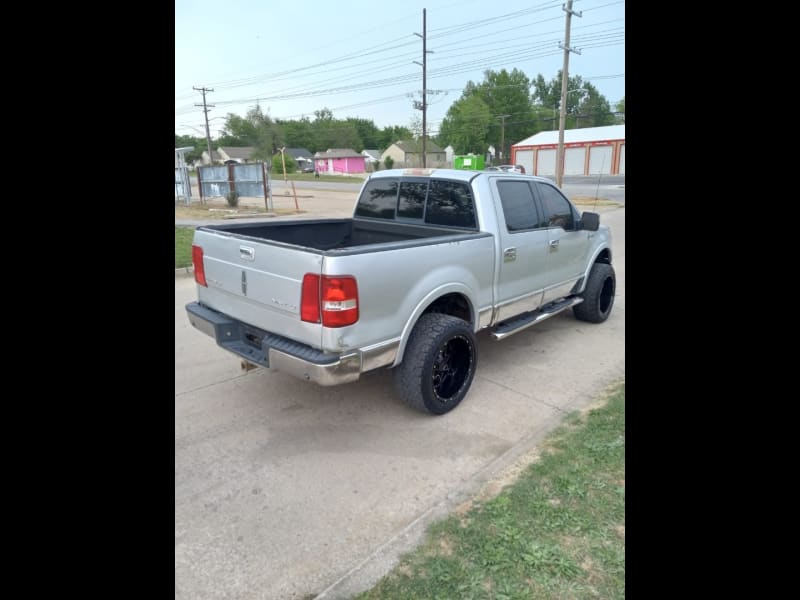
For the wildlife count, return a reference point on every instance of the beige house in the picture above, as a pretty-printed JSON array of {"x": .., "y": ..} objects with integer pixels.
[{"x": 409, "y": 154}]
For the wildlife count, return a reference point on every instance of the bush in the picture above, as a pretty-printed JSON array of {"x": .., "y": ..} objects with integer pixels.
[
  {"x": 277, "y": 166},
  {"x": 232, "y": 198},
  {"x": 389, "y": 162}
]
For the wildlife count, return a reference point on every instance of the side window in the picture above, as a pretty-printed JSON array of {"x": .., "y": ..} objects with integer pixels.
[
  {"x": 450, "y": 203},
  {"x": 378, "y": 200},
  {"x": 411, "y": 203},
  {"x": 516, "y": 198},
  {"x": 557, "y": 209}
]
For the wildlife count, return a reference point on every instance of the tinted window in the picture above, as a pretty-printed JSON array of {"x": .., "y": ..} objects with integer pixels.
[
  {"x": 411, "y": 203},
  {"x": 450, "y": 203},
  {"x": 518, "y": 207},
  {"x": 557, "y": 208},
  {"x": 378, "y": 199}
]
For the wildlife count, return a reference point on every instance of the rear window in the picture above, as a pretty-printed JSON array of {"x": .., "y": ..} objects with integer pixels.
[
  {"x": 378, "y": 200},
  {"x": 431, "y": 201},
  {"x": 450, "y": 203}
]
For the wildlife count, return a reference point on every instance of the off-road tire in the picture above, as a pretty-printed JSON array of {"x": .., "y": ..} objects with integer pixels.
[
  {"x": 438, "y": 365},
  {"x": 598, "y": 296}
]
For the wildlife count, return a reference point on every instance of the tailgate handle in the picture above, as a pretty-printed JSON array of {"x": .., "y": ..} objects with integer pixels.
[{"x": 247, "y": 253}]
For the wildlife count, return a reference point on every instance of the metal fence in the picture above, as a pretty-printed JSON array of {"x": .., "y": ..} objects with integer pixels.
[
  {"x": 183, "y": 186},
  {"x": 249, "y": 180}
]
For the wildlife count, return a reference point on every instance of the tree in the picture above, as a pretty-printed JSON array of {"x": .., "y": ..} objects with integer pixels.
[
  {"x": 333, "y": 133},
  {"x": 367, "y": 132},
  {"x": 620, "y": 116},
  {"x": 585, "y": 109},
  {"x": 506, "y": 93},
  {"x": 277, "y": 165},
  {"x": 199, "y": 144},
  {"x": 254, "y": 129},
  {"x": 389, "y": 162},
  {"x": 466, "y": 126},
  {"x": 391, "y": 134},
  {"x": 298, "y": 134}
]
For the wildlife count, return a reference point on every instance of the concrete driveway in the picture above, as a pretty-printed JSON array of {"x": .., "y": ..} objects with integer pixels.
[{"x": 288, "y": 490}]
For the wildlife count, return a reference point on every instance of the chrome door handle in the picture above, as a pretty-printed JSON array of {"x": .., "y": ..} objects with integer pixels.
[
  {"x": 509, "y": 255},
  {"x": 553, "y": 245}
]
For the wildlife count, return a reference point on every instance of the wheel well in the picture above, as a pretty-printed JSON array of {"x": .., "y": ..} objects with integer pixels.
[
  {"x": 452, "y": 304},
  {"x": 604, "y": 257}
]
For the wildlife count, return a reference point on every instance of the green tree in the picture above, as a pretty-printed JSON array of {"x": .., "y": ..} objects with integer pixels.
[
  {"x": 255, "y": 129},
  {"x": 277, "y": 166},
  {"x": 389, "y": 162},
  {"x": 466, "y": 125},
  {"x": 199, "y": 144},
  {"x": 333, "y": 133},
  {"x": 367, "y": 132},
  {"x": 506, "y": 93},
  {"x": 620, "y": 108},
  {"x": 588, "y": 108},
  {"x": 391, "y": 134},
  {"x": 298, "y": 134}
]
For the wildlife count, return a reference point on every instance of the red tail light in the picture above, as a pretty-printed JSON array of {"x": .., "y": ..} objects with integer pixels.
[
  {"x": 199, "y": 269},
  {"x": 332, "y": 300},
  {"x": 309, "y": 298}
]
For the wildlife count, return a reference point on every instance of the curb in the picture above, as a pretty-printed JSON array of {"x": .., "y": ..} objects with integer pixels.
[{"x": 184, "y": 272}]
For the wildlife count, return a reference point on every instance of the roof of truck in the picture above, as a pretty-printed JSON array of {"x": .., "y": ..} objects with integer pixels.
[{"x": 458, "y": 174}]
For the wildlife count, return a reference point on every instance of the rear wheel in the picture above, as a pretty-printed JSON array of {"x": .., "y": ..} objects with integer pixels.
[
  {"x": 438, "y": 365},
  {"x": 598, "y": 297}
]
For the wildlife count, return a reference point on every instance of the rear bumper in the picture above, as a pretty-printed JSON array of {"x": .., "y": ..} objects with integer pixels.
[{"x": 274, "y": 351}]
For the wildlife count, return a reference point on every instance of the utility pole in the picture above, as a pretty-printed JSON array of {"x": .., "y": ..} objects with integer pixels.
[
  {"x": 502, "y": 134},
  {"x": 205, "y": 110},
  {"x": 424, "y": 84},
  {"x": 564, "y": 82}
]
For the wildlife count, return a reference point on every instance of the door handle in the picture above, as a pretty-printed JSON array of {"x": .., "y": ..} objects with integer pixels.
[
  {"x": 553, "y": 245},
  {"x": 509, "y": 255}
]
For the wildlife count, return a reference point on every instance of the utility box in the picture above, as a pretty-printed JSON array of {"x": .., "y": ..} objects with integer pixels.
[{"x": 469, "y": 162}]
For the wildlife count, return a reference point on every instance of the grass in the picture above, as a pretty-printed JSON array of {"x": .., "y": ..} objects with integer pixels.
[
  {"x": 557, "y": 532},
  {"x": 218, "y": 209},
  {"x": 183, "y": 246},
  {"x": 592, "y": 201},
  {"x": 278, "y": 177}
]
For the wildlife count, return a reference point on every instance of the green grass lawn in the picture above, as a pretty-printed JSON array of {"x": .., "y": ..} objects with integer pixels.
[
  {"x": 557, "y": 532},
  {"x": 183, "y": 246}
]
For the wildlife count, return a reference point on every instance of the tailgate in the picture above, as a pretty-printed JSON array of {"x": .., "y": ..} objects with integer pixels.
[{"x": 258, "y": 282}]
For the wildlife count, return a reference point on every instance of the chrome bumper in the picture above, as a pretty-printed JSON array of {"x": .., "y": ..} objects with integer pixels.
[{"x": 277, "y": 352}]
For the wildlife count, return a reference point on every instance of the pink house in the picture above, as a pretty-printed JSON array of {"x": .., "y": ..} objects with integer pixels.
[{"x": 339, "y": 160}]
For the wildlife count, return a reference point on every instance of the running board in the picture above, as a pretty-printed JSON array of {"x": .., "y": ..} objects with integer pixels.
[{"x": 525, "y": 320}]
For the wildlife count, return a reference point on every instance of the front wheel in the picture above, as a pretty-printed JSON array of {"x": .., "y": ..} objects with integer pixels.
[
  {"x": 598, "y": 297},
  {"x": 438, "y": 365}
]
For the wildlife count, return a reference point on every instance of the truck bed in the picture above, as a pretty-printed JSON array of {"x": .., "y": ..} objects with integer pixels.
[{"x": 336, "y": 234}]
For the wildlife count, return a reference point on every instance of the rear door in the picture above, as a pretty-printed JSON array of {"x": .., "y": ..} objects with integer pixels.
[{"x": 524, "y": 248}]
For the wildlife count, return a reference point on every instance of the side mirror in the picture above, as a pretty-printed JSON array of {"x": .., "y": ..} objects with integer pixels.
[{"x": 590, "y": 221}]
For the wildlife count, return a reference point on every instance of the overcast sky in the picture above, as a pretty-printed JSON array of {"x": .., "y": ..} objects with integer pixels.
[{"x": 356, "y": 58}]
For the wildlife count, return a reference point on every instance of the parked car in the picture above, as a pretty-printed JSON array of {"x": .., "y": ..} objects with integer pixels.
[
  {"x": 512, "y": 168},
  {"x": 308, "y": 169}
]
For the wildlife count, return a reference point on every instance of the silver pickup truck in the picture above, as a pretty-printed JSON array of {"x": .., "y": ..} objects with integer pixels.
[{"x": 430, "y": 257}]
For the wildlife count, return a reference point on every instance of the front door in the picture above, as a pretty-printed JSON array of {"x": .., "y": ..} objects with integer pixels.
[{"x": 524, "y": 248}]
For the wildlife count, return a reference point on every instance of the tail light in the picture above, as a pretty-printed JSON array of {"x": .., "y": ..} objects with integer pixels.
[
  {"x": 333, "y": 300},
  {"x": 197, "y": 263}
]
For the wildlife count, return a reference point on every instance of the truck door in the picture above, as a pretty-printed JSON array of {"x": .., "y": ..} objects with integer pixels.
[
  {"x": 567, "y": 248},
  {"x": 523, "y": 248}
]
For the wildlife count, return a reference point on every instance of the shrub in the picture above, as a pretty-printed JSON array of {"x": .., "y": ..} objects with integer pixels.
[
  {"x": 389, "y": 162},
  {"x": 232, "y": 198}
]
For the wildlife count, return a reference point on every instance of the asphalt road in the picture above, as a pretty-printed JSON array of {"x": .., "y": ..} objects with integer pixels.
[{"x": 288, "y": 490}]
